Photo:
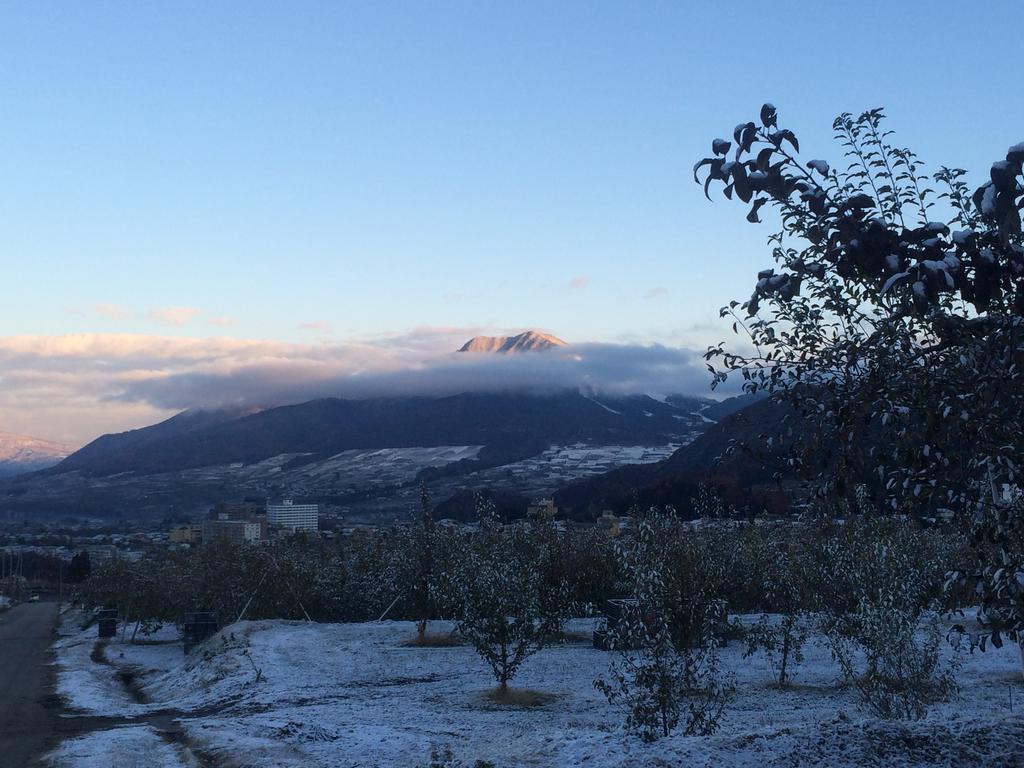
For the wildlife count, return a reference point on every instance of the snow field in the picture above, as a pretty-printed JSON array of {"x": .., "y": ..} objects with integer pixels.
[
  {"x": 136, "y": 746},
  {"x": 353, "y": 695}
]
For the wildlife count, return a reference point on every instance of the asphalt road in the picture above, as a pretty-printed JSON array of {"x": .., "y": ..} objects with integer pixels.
[{"x": 26, "y": 633}]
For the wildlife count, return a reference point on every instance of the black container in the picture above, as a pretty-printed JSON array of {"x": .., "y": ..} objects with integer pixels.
[
  {"x": 613, "y": 612},
  {"x": 198, "y": 626},
  {"x": 106, "y": 620}
]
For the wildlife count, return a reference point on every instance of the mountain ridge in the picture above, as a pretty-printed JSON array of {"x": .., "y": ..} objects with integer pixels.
[
  {"x": 527, "y": 341},
  {"x": 367, "y": 457},
  {"x": 329, "y": 425},
  {"x": 22, "y": 453},
  {"x": 715, "y": 458}
]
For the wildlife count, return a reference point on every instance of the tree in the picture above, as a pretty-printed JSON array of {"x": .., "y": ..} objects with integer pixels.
[
  {"x": 79, "y": 568},
  {"x": 896, "y": 341},
  {"x": 784, "y": 591},
  {"x": 494, "y": 588},
  {"x": 667, "y": 665},
  {"x": 422, "y": 559},
  {"x": 883, "y": 628}
]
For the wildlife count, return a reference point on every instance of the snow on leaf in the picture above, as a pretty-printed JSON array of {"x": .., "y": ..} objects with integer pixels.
[{"x": 820, "y": 166}]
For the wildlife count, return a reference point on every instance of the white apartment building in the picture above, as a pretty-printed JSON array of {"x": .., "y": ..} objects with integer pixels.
[{"x": 296, "y": 517}]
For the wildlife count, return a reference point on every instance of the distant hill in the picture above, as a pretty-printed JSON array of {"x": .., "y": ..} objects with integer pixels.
[
  {"x": 20, "y": 454},
  {"x": 462, "y": 506},
  {"x": 114, "y": 450},
  {"x": 365, "y": 459},
  {"x": 743, "y": 477},
  {"x": 715, "y": 410},
  {"x": 324, "y": 427},
  {"x": 530, "y": 341}
]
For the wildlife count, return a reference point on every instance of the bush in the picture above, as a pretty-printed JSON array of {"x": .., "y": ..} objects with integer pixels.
[
  {"x": 893, "y": 657},
  {"x": 889, "y": 644},
  {"x": 666, "y": 670},
  {"x": 495, "y": 591}
]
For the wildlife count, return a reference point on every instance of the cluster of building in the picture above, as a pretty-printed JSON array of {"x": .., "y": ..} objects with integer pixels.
[
  {"x": 249, "y": 523},
  {"x": 101, "y": 547}
]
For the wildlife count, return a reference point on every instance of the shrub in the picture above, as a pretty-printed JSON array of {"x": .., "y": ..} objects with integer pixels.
[
  {"x": 785, "y": 591},
  {"x": 666, "y": 666},
  {"x": 892, "y": 656},
  {"x": 494, "y": 590},
  {"x": 889, "y": 644}
]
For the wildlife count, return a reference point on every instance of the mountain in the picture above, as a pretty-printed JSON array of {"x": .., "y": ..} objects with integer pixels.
[
  {"x": 529, "y": 341},
  {"x": 742, "y": 477},
  {"x": 715, "y": 410},
  {"x": 20, "y": 454},
  {"x": 328, "y": 426},
  {"x": 113, "y": 452},
  {"x": 362, "y": 459}
]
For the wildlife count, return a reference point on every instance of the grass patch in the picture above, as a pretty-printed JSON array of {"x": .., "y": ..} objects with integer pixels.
[
  {"x": 433, "y": 640},
  {"x": 519, "y": 697}
]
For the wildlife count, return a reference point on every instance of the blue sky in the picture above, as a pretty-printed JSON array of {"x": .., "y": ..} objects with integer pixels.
[{"x": 312, "y": 172}]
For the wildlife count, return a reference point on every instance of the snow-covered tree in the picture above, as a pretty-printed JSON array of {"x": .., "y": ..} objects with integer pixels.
[
  {"x": 889, "y": 645},
  {"x": 666, "y": 665},
  {"x": 892, "y": 327},
  {"x": 783, "y": 581},
  {"x": 493, "y": 588},
  {"x": 413, "y": 563}
]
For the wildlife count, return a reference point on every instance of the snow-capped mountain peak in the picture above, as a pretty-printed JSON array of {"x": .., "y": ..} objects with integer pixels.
[
  {"x": 20, "y": 453},
  {"x": 528, "y": 341}
]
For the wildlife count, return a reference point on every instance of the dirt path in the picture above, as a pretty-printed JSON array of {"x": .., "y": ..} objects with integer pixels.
[
  {"x": 26, "y": 633},
  {"x": 69, "y": 724}
]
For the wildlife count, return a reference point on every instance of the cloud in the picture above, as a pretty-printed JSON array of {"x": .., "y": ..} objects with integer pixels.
[
  {"x": 320, "y": 326},
  {"x": 433, "y": 339},
  {"x": 176, "y": 316},
  {"x": 111, "y": 311},
  {"x": 357, "y": 372},
  {"x": 657, "y": 292},
  {"x": 579, "y": 283},
  {"x": 73, "y": 387}
]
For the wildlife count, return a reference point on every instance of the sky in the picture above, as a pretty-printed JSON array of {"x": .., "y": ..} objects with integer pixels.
[{"x": 222, "y": 189}]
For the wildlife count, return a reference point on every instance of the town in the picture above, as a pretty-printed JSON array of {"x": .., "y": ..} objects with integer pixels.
[{"x": 39, "y": 556}]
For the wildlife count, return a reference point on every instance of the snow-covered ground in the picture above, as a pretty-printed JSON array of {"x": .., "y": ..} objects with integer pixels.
[
  {"x": 129, "y": 746},
  {"x": 275, "y": 693}
]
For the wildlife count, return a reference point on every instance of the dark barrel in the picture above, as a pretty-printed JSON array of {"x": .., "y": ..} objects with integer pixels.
[
  {"x": 106, "y": 620},
  {"x": 614, "y": 611},
  {"x": 198, "y": 626}
]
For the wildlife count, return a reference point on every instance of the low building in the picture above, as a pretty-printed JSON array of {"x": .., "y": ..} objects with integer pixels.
[
  {"x": 246, "y": 511},
  {"x": 542, "y": 508},
  {"x": 288, "y": 515},
  {"x": 102, "y": 553},
  {"x": 614, "y": 524},
  {"x": 186, "y": 534},
  {"x": 231, "y": 531}
]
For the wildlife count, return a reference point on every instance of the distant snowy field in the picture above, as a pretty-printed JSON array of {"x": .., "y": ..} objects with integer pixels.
[{"x": 352, "y": 695}]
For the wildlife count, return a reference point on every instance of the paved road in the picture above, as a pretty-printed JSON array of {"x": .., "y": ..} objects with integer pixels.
[{"x": 26, "y": 632}]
